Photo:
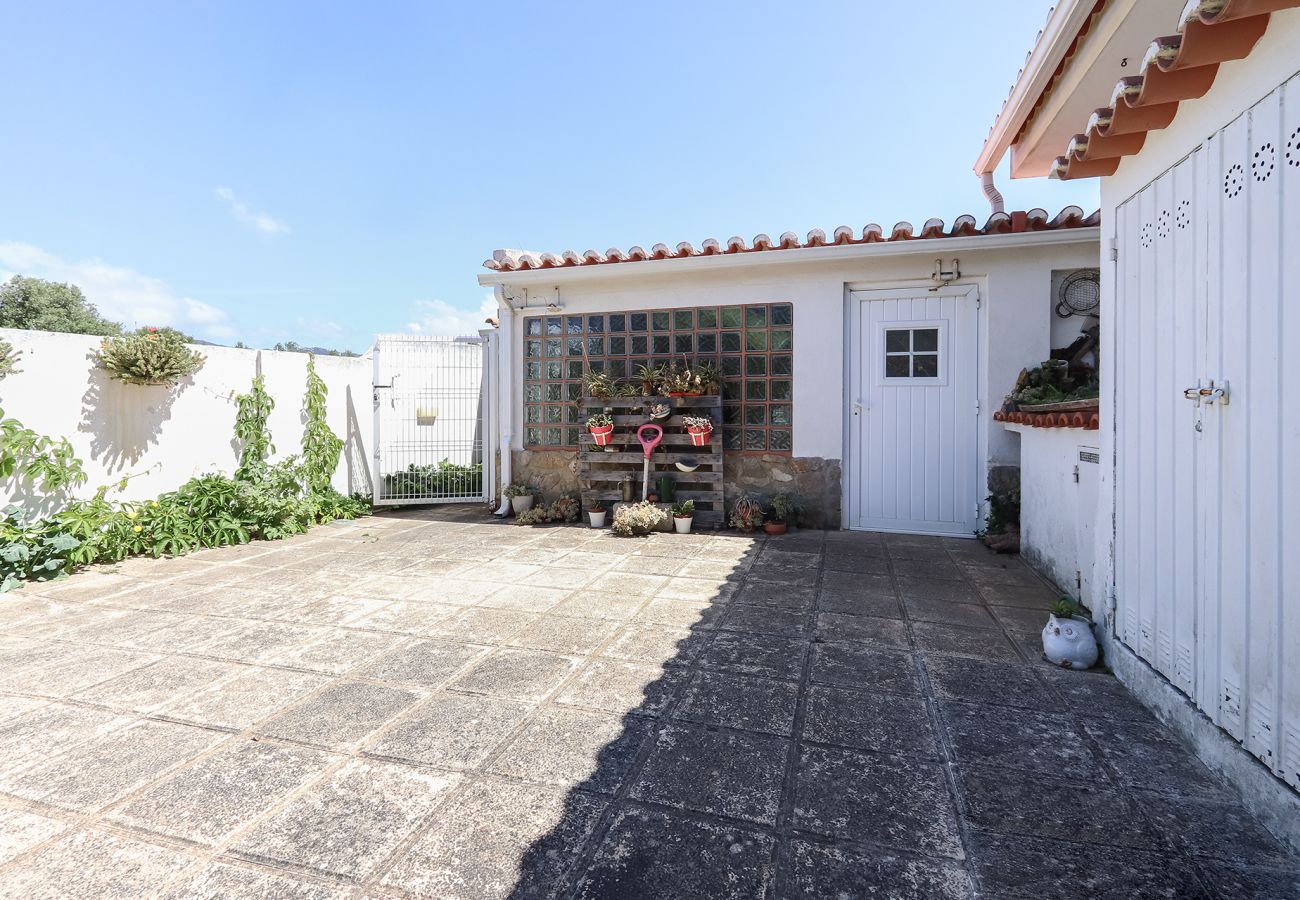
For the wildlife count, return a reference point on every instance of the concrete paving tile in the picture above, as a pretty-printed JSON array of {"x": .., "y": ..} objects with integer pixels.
[
  {"x": 930, "y": 569},
  {"x": 75, "y": 671},
  {"x": 500, "y": 571},
  {"x": 483, "y": 626},
  {"x": 694, "y": 614},
  {"x": 553, "y": 576},
  {"x": 426, "y": 663},
  {"x": 340, "y": 715},
  {"x": 183, "y": 633},
  {"x": 1021, "y": 619},
  {"x": 1004, "y": 801},
  {"x": 338, "y": 610},
  {"x": 651, "y": 565},
  {"x": 259, "y": 642},
  {"x": 564, "y": 634},
  {"x": 817, "y": 871},
  {"x": 336, "y": 651},
  {"x": 781, "y": 577},
  {"x": 89, "y": 863},
  {"x": 714, "y": 569},
  {"x": 587, "y": 604},
  {"x": 517, "y": 674},
  {"x": 1235, "y": 882},
  {"x": 624, "y": 687},
  {"x": 11, "y": 707},
  {"x": 497, "y": 840},
  {"x": 452, "y": 591},
  {"x": 115, "y": 627},
  {"x": 527, "y": 598},
  {"x": 845, "y": 560},
  {"x": 962, "y": 640},
  {"x": 51, "y": 729},
  {"x": 648, "y": 853},
  {"x": 407, "y": 616},
  {"x": 656, "y": 644},
  {"x": 956, "y": 678},
  {"x": 737, "y": 701},
  {"x": 451, "y": 731},
  {"x": 715, "y": 772},
  {"x": 1010, "y": 738},
  {"x": 793, "y": 623},
  {"x": 250, "y": 695},
  {"x": 220, "y": 881},
  {"x": 86, "y": 586},
  {"x": 95, "y": 773},
  {"x": 863, "y": 629},
  {"x": 951, "y": 591},
  {"x": 210, "y": 800},
  {"x": 888, "y": 723},
  {"x": 1019, "y": 575},
  {"x": 625, "y": 585},
  {"x": 1022, "y": 867},
  {"x": 21, "y": 830},
  {"x": 574, "y": 748},
  {"x": 1034, "y": 596},
  {"x": 949, "y": 613},
  {"x": 1097, "y": 694},
  {"x": 892, "y": 800},
  {"x": 755, "y": 654},
  {"x": 1146, "y": 756},
  {"x": 350, "y": 822},
  {"x": 148, "y": 688},
  {"x": 711, "y": 590},
  {"x": 865, "y": 666}
]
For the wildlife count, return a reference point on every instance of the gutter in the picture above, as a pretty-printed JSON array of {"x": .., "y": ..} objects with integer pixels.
[{"x": 926, "y": 247}]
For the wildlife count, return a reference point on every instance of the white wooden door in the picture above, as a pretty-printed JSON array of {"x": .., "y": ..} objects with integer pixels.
[
  {"x": 913, "y": 383},
  {"x": 1207, "y": 483}
]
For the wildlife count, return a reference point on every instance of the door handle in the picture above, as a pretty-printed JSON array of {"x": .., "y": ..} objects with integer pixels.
[
  {"x": 858, "y": 407},
  {"x": 1210, "y": 393}
]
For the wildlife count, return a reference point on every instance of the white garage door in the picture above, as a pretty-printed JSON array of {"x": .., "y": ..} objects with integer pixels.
[
  {"x": 913, "y": 458},
  {"x": 1208, "y": 483}
]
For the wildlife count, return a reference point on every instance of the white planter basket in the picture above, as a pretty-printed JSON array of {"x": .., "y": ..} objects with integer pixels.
[
  {"x": 521, "y": 504},
  {"x": 683, "y": 526},
  {"x": 598, "y": 518}
]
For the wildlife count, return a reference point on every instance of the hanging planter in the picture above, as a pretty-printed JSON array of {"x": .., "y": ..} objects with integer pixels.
[
  {"x": 149, "y": 356},
  {"x": 601, "y": 427},
  {"x": 700, "y": 428}
]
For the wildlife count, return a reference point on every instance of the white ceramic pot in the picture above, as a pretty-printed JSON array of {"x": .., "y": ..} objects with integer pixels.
[
  {"x": 521, "y": 504},
  {"x": 1069, "y": 643},
  {"x": 683, "y": 525},
  {"x": 598, "y": 518}
]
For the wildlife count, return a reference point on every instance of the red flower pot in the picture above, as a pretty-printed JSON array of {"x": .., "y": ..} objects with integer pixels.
[
  {"x": 699, "y": 436},
  {"x": 602, "y": 434}
]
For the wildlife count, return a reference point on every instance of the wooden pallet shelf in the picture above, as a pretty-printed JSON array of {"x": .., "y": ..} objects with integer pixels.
[{"x": 600, "y": 471}]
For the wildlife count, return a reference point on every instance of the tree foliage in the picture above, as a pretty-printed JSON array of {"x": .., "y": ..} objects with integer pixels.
[{"x": 36, "y": 304}]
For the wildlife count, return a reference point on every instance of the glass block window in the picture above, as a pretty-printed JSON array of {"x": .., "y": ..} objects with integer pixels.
[{"x": 752, "y": 345}]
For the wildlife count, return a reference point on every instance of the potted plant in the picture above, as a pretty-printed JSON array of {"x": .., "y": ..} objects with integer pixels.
[
  {"x": 149, "y": 356},
  {"x": 784, "y": 511},
  {"x": 1068, "y": 640},
  {"x": 651, "y": 378},
  {"x": 597, "y": 514},
  {"x": 637, "y": 518},
  {"x": 520, "y": 496},
  {"x": 600, "y": 385},
  {"x": 747, "y": 514},
  {"x": 700, "y": 428},
  {"x": 683, "y": 516},
  {"x": 601, "y": 426},
  {"x": 708, "y": 377}
]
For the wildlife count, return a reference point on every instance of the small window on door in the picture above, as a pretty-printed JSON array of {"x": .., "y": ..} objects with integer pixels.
[{"x": 912, "y": 353}]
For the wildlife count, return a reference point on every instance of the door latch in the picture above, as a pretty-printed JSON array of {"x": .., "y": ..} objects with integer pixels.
[
  {"x": 858, "y": 407},
  {"x": 1208, "y": 394}
]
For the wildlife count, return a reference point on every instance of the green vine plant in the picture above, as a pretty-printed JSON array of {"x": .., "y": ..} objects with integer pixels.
[
  {"x": 320, "y": 446},
  {"x": 8, "y": 359},
  {"x": 253, "y": 411},
  {"x": 49, "y": 463}
]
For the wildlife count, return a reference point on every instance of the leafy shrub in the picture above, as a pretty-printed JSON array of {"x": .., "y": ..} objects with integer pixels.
[
  {"x": 638, "y": 518},
  {"x": 32, "y": 551},
  {"x": 320, "y": 446},
  {"x": 8, "y": 359},
  {"x": 37, "y": 459},
  {"x": 445, "y": 479},
  {"x": 747, "y": 514},
  {"x": 518, "y": 490},
  {"x": 149, "y": 356},
  {"x": 1004, "y": 511},
  {"x": 785, "y": 508}
]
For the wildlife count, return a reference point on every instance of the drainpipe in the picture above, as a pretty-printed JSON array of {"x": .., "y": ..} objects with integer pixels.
[
  {"x": 991, "y": 191},
  {"x": 505, "y": 387}
]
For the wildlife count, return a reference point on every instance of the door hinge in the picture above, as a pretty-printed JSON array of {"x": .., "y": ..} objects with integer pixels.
[
  {"x": 1076, "y": 474},
  {"x": 1113, "y": 251},
  {"x": 977, "y": 407}
]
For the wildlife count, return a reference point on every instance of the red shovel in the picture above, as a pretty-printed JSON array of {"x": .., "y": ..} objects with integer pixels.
[{"x": 648, "y": 444}]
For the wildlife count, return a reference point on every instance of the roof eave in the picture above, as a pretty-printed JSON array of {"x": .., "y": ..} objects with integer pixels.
[
  {"x": 933, "y": 247},
  {"x": 1063, "y": 25}
]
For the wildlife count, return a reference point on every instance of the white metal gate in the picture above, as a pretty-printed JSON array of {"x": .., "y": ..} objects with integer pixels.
[
  {"x": 430, "y": 398},
  {"x": 1207, "y": 444},
  {"x": 913, "y": 448}
]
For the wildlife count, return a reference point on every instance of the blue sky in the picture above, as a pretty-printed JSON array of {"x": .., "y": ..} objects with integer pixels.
[{"x": 322, "y": 171}]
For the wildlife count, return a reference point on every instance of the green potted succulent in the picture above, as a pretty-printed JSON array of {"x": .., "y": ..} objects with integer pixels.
[
  {"x": 520, "y": 497},
  {"x": 683, "y": 516},
  {"x": 785, "y": 509},
  {"x": 747, "y": 514}
]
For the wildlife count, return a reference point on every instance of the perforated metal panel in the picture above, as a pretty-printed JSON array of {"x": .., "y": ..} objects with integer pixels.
[
  {"x": 430, "y": 398},
  {"x": 1208, "y": 491}
]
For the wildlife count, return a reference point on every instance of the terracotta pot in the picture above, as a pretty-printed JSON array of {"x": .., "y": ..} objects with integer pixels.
[{"x": 774, "y": 527}]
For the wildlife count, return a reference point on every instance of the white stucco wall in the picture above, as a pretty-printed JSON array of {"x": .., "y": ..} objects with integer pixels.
[
  {"x": 165, "y": 437},
  {"x": 1015, "y": 318}
]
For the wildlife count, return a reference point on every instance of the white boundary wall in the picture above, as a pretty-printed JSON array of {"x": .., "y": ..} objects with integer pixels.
[{"x": 163, "y": 437}]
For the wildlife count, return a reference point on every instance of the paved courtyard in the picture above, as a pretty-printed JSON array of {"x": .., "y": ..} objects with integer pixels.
[{"x": 435, "y": 704}]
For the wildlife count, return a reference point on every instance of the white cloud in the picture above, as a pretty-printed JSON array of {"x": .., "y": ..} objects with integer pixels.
[
  {"x": 121, "y": 294},
  {"x": 440, "y": 319},
  {"x": 320, "y": 327},
  {"x": 264, "y": 223}
]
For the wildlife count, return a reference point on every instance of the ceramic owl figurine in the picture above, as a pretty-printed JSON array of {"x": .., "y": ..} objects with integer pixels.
[{"x": 1069, "y": 643}]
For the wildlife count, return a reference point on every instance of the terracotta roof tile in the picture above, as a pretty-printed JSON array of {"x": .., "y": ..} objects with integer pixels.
[
  {"x": 933, "y": 229},
  {"x": 1176, "y": 67}
]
